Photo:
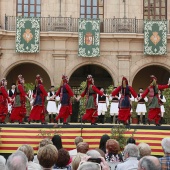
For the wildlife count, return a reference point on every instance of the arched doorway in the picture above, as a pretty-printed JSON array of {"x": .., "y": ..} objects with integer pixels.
[
  {"x": 29, "y": 71},
  {"x": 142, "y": 78},
  {"x": 101, "y": 76}
]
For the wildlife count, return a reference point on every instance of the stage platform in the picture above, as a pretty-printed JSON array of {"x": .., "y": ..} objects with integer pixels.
[{"x": 14, "y": 135}]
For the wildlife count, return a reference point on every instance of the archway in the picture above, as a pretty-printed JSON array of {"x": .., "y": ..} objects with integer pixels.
[
  {"x": 142, "y": 78},
  {"x": 29, "y": 71},
  {"x": 101, "y": 76}
]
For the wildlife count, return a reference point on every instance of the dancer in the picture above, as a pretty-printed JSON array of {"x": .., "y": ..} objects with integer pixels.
[
  {"x": 102, "y": 103},
  {"x": 11, "y": 93},
  {"x": 19, "y": 109},
  {"x": 154, "y": 102},
  {"x": 124, "y": 102},
  {"x": 91, "y": 106},
  {"x": 65, "y": 93},
  {"x": 114, "y": 110},
  {"x": 51, "y": 106},
  {"x": 38, "y": 111},
  {"x": 162, "y": 101},
  {"x": 141, "y": 106},
  {"x": 4, "y": 99}
]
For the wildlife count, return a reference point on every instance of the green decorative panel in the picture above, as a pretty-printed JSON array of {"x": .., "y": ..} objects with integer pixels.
[
  {"x": 27, "y": 35},
  {"x": 89, "y": 38},
  {"x": 155, "y": 37}
]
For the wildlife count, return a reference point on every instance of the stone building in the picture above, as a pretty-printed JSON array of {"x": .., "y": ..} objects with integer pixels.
[{"x": 121, "y": 42}]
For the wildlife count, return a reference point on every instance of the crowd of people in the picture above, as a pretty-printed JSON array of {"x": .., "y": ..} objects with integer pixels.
[
  {"x": 97, "y": 102},
  {"x": 52, "y": 155}
]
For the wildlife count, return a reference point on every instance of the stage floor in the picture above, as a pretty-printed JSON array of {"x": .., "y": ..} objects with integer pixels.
[{"x": 14, "y": 135}]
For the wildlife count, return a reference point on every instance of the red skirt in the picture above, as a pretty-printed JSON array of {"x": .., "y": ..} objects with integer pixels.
[
  {"x": 65, "y": 111},
  {"x": 18, "y": 113},
  {"x": 90, "y": 114},
  {"x": 154, "y": 114},
  {"x": 37, "y": 113},
  {"x": 124, "y": 115}
]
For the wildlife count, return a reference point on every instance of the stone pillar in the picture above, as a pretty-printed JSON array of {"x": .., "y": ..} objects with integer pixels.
[
  {"x": 124, "y": 67},
  {"x": 59, "y": 67}
]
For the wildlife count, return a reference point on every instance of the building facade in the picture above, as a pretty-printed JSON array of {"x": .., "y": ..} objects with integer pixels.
[{"x": 121, "y": 42}]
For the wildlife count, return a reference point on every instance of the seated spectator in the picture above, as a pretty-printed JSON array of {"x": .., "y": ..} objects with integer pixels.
[
  {"x": 131, "y": 140},
  {"x": 17, "y": 160},
  {"x": 165, "y": 160},
  {"x": 112, "y": 153},
  {"x": 2, "y": 162},
  {"x": 57, "y": 142},
  {"x": 47, "y": 156},
  {"x": 130, "y": 155},
  {"x": 149, "y": 163},
  {"x": 144, "y": 149},
  {"x": 82, "y": 147},
  {"x": 76, "y": 160},
  {"x": 63, "y": 160},
  {"x": 77, "y": 140},
  {"x": 103, "y": 141},
  {"x": 29, "y": 152},
  {"x": 42, "y": 143}
]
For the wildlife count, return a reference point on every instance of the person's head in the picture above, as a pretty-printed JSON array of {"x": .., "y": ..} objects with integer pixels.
[
  {"x": 44, "y": 142},
  {"x": 28, "y": 151},
  {"x": 77, "y": 140},
  {"x": 47, "y": 156},
  {"x": 17, "y": 160},
  {"x": 3, "y": 82},
  {"x": 124, "y": 82},
  {"x": 2, "y": 162},
  {"x": 65, "y": 79},
  {"x": 102, "y": 89},
  {"x": 20, "y": 79},
  {"x": 101, "y": 152},
  {"x": 144, "y": 149},
  {"x": 13, "y": 85},
  {"x": 82, "y": 147},
  {"x": 76, "y": 160},
  {"x": 141, "y": 90},
  {"x": 93, "y": 153},
  {"x": 131, "y": 150},
  {"x": 131, "y": 140},
  {"x": 103, "y": 141},
  {"x": 52, "y": 88},
  {"x": 112, "y": 147},
  {"x": 89, "y": 166},
  {"x": 38, "y": 80},
  {"x": 149, "y": 163},
  {"x": 63, "y": 158},
  {"x": 57, "y": 142},
  {"x": 153, "y": 80},
  {"x": 165, "y": 145}
]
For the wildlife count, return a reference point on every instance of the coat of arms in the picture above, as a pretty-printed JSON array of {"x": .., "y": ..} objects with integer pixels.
[
  {"x": 27, "y": 36},
  {"x": 88, "y": 38},
  {"x": 155, "y": 38}
]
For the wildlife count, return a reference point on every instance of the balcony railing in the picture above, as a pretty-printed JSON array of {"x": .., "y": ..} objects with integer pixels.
[{"x": 69, "y": 24}]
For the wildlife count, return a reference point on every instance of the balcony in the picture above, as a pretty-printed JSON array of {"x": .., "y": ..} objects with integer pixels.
[{"x": 69, "y": 24}]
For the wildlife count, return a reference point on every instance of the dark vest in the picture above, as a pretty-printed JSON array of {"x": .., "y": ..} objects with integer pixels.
[{"x": 102, "y": 98}]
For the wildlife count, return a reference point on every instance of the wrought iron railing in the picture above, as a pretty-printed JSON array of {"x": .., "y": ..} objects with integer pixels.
[{"x": 69, "y": 24}]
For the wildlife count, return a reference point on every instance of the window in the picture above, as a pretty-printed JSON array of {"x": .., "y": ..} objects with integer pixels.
[
  {"x": 91, "y": 9},
  {"x": 29, "y": 8},
  {"x": 155, "y": 9}
]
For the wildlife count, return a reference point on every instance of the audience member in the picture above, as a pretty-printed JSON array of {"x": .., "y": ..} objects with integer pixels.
[
  {"x": 149, "y": 163},
  {"x": 17, "y": 161},
  {"x": 29, "y": 152},
  {"x": 63, "y": 160},
  {"x": 101, "y": 152},
  {"x": 112, "y": 156},
  {"x": 82, "y": 147},
  {"x": 103, "y": 141},
  {"x": 76, "y": 160},
  {"x": 47, "y": 156},
  {"x": 131, "y": 140},
  {"x": 42, "y": 143},
  {"x": 2, "y": 162},
  {"x": 165, "y": 161},
  {"x": 130, "y": 156},
  {"x": 93, "y": 153},
  {"x": 144, "y": 149},
  {"x": 57, "y": 142},
  {"x": 77, "y": 140}
]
